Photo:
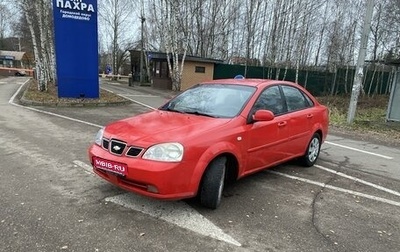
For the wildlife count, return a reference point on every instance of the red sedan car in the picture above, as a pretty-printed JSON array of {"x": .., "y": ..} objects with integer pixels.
[{"x": 213, "y": 132}]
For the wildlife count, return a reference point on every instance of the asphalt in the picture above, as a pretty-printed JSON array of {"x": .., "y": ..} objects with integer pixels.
[{"x": 142, "y": 88}]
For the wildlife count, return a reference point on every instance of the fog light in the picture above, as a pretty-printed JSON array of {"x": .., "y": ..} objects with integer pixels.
[{"x": 152, "y": 189}]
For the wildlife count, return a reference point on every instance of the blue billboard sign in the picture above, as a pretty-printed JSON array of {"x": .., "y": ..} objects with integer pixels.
[{"x": 76, "y": 45}]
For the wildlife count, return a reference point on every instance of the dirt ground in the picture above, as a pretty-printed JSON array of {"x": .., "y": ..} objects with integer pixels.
[{"x": 50, "y": 97}]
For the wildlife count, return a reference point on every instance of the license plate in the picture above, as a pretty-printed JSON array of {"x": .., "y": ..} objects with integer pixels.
[{"x": 109, "y": 165}]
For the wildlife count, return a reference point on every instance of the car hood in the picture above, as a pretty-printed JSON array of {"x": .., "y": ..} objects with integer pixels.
[{"x": 162, "y": 126}]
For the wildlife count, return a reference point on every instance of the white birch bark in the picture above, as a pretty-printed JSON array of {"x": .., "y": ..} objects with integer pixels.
[
  {"x": 27, "y": 9},
  {"x": 52, "y": 56},
  {"x": 174, "y": 38},
  {"x": 41, "y": 15}
]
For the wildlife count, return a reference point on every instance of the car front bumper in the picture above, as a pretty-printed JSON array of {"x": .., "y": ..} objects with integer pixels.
[{"x": 161, "y": 180}]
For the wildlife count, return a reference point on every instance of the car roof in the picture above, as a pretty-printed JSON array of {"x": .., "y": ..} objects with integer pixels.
[
  {"x": 257, "y": 83},
  {"x": 247, "y": 82}
]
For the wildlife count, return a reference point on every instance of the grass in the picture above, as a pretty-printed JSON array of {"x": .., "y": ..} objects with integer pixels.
[
  {"x": 370, "y": 119},
  {"x": 50, "y": 97}
]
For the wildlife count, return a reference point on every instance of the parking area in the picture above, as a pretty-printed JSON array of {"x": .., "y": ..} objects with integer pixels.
[{"x": 50, "y": 199}]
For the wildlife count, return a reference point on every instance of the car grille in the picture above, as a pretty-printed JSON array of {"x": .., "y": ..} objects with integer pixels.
[
  {"x": 134, "y": 151},
  {"x": 106, "y": 143},
  {"x": 117, "y": 147}
]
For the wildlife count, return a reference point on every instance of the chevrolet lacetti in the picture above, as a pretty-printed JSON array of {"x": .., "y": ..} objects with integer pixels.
[{"x": 214, "y": 132}]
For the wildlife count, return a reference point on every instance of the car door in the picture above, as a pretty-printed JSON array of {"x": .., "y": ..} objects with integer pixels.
[
  {"x": 267, "y": 139},
  {"x": 300, "y": 121}
]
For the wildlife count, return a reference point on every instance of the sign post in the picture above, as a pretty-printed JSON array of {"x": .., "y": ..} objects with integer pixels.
[{"x": 76, "y": 46}]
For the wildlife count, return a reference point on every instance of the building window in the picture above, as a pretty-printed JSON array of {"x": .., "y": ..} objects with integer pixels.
[
  {"x": 164, "y": 70},
  {"x": 200, "y": 69},
  {"x": 160, "y": 69}
]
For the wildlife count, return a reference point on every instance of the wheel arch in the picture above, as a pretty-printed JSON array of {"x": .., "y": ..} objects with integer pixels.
[
  {"x": 321, "y": 136},
  {"x": 320, "y": 133},
  {"x": 232, "y": 163},
  {"x": 320, "y": 130}
]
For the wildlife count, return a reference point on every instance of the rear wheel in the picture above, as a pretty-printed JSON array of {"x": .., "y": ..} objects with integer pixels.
[
  {"x": 312, "y": 152},
  {"x": 213, "y": 183}
]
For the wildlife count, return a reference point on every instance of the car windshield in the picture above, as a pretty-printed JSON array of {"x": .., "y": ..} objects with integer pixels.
[{"x": 214, "y": 100}]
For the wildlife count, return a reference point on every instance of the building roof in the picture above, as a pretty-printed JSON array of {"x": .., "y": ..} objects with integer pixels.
[
  {"x": 14, "y": 55},
  {"x": 163, "y": 56}
]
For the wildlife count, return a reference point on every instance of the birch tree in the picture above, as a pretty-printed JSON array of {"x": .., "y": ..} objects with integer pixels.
[
  {"x": 282, "y": 33},
  {"x": 174, "y": 36},
  {"x": 251, "y": 18},
  {"x": 39, "y": 21},
  {"x": 209, "y": 27},
  {"x": 391, "y": 29}
]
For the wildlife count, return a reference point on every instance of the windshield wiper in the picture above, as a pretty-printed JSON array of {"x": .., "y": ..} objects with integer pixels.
[
  {"x": 195, "y": 112},
  {"x": 192, "y": 112},
  {"x": 173, "y": 110}
]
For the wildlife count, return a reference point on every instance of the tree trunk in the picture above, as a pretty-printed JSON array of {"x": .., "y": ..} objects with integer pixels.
[{"x": 27, "y": 8}]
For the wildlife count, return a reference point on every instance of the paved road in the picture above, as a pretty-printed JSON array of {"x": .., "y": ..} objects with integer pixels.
[{"x": 50, "y": 200}]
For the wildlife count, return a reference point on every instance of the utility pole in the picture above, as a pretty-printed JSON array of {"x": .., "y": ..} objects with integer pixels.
[
  {"x": 142, "y": 19},
  {"x": 358, "y": 77}
]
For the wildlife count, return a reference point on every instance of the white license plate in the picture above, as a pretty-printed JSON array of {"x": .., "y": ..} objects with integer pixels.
[{"x": 111, "y": 166}]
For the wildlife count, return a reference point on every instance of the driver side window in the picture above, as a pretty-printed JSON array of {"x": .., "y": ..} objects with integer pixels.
[{"x": 270, "y": 99}]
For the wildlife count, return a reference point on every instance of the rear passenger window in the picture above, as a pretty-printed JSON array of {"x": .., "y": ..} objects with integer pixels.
[
  {"x": 295, "y": 99},
  {"x": 270, "y": 99}
]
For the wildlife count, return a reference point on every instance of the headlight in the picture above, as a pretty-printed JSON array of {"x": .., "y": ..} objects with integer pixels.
[
  {"x": 166, "y": 152},
  {"x": 99, "y": 136}
]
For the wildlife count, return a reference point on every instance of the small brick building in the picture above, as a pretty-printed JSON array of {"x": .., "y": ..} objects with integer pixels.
[{"x": 195, "y": 70}]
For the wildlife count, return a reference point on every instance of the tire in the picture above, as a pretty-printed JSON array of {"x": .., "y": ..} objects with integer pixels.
[
  {"x": 312, "y": 152},
  {"x": 212, "y": 184}
]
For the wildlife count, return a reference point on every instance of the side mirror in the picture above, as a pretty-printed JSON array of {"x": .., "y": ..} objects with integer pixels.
[{"x": 263, "y": 116}]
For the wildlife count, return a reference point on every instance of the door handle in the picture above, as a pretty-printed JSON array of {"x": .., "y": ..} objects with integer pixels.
[
  {"x": 281, "y": 124},
  {"x": 310, "y": 116}
]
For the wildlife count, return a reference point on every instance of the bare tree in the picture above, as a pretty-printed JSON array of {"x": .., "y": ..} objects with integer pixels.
[
  {"x": 391, "y": 29},
  {"x": 8, "y": 15},
  {"x": 280, "y": 33},
  {"x": 39, "y": 21},
  {"x": 116, "y": 19},
  {"x": 4, "y": 17},
  {"x": 174, "y": 35},
  {"x": 251, "y": 21}
]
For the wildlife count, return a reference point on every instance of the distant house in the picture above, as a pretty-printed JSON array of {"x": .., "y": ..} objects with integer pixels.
[
  {"x": 12, "y": 59},
  {"x": 196, "y": 69},
  {"x": 12, "y": 62}
]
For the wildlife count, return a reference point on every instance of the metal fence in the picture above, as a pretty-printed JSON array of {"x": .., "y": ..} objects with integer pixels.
[{"x": 319, "y": 83}]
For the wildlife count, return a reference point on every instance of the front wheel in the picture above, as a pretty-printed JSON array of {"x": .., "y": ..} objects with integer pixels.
[
  {"x": 212, "y": 184},
  {"x": 312, "y": 152}
]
